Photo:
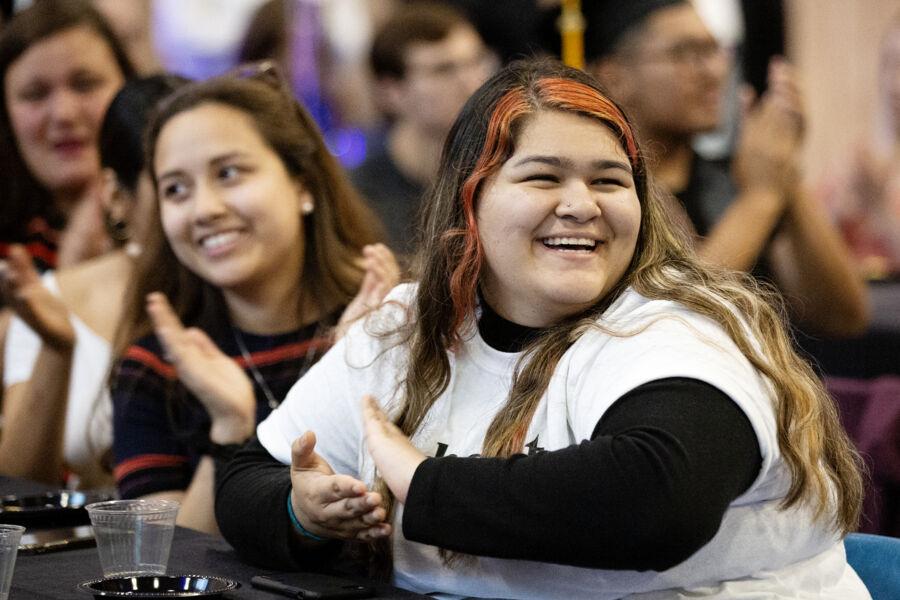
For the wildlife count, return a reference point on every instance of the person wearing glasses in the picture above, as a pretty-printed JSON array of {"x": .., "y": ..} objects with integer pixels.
[
  {"x": 258, "y": 253},
  {"x": 658, "y": 59},
  {"x": 426, "y": 60},
  {"x": 568, "y": 403}
]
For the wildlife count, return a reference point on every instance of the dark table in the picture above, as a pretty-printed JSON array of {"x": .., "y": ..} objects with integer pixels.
[{"x": 56, "y": 575}]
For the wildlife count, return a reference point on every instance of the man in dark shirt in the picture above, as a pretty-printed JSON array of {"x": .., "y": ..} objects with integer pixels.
[
  {"x": 427, "y": 61},
  {"x": 659, "y": 60}
]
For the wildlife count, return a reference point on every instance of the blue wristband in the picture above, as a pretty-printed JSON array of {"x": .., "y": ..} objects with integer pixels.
[{"x": 296, "y": 523}]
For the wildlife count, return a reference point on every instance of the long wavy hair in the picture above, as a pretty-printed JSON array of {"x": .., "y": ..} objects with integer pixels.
[
  {"x": 823, "y": 465},
  {"x": 334, "y": 234},
  {"x": 23, "y": 196}
]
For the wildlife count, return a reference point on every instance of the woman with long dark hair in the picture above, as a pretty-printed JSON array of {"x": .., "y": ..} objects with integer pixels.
[
  {"x": 568, "y": 404},
  {"x": 60, "y": 66},
  {"x": 259, "y": 247}
]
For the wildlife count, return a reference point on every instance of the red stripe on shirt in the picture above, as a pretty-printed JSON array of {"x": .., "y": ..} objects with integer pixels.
[
  {"x": 150, "y": 359},
  {"x": 260, "y": 359},
  {"x": 37, "y": 250},
  {"x": 297, "y": 350},
  {"x": 146, "y": 461},
  {"x": 41, "y": 251}
]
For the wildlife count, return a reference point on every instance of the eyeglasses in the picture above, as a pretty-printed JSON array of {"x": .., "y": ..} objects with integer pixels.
[
  {"x": 482, "y": 61},
  {"x": 687, "y": 54}
]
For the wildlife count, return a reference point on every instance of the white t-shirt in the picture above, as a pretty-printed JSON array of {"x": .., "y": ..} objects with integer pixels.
[
  {"x": 88, "y": 430},
  {"x": 760, "y": 551}
]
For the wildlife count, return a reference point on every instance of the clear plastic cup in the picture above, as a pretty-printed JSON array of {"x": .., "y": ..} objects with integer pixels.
[
  {"x": 9, "y": 547},
  {"x": 133, "y": 536}
]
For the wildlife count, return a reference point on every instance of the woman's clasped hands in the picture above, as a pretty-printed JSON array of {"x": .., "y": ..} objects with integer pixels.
[
  {"x": 330, "y": 505},
  {"x": 342, "y": 507}
]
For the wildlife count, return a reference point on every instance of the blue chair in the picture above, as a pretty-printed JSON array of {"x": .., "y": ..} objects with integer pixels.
[{"x": 876, "y": 559}]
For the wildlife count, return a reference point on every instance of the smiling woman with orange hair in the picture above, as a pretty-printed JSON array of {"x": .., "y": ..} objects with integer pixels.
[{"x": 567, "y": 404}]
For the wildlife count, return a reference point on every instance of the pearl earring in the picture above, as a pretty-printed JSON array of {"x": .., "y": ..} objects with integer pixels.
[{"x": 306, "y": 208}]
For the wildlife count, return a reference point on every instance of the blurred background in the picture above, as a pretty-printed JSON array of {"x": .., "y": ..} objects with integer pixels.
[{"x": 835, "y": 44}]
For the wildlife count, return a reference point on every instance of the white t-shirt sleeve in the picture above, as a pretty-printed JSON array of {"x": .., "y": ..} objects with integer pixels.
[
  {"x": 325, "y": 402},
  {"x": 20, "y": 352},
  {"x": 22, "y": 344},
  {"x": 327, "y": 399},
  {"x": 685, "y": 346}
]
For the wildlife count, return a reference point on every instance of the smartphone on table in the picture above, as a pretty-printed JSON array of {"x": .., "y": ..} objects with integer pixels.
[
  {"x": 41, "y": 541},
  {"x": 312, "y": 586}
]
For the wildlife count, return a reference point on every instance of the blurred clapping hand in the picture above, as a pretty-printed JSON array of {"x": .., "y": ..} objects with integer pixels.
[{"x": 23, "y": 291}]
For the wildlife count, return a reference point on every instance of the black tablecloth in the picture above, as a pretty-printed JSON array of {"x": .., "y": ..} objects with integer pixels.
[
  {"x": 13, "y": 486},
  {"x": 56, "y": 575}
]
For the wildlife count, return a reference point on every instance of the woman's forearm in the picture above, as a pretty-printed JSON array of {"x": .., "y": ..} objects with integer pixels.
[
  {"x": 647, "y": 492},
  {"x": 196, "y": 502},
  {"x": 34, "y": 419},
  {"x": 816, "y": 273}
]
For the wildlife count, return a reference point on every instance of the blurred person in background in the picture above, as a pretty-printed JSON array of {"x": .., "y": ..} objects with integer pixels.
[
  {"x": 515, "y": 28},
  {"x": 659, "y": 59},
  {"x": 864, "y": 193},
  {"x": 56, "y": 412},
  {"x": 60, "y": 65},
  {"x": 427, "y": 61},
  {"x": 322, "y": 45}
]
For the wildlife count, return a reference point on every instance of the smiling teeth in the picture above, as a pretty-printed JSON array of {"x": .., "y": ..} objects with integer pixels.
[
  {"x": 220, "y": 239},
  {"x": 570, "y": 241}
]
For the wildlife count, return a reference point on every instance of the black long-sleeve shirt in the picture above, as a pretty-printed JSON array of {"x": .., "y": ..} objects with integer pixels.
[{"x": 646, "y": 492}]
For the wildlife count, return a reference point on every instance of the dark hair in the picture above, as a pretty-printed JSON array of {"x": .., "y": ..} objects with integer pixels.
[
  {"x": 24, "y": 197},
  {"x": 335, "y": 232},
  {"x": 121, "y": 141},
  {"x": 267, "y": 35},
  {"x": 610, "y": 25},
  {"x": 421, "y": 22}
]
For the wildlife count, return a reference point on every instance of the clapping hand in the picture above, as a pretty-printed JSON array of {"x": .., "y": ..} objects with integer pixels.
[
  {"x": 772, "y": 133},
  {"x": 330, "y": 505},
  {"x": 395, "y": 457},
  {"x": 38, "y": 307},
  {"x": 214, "y": 378},
  {"x": 382, "y": 274}
]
